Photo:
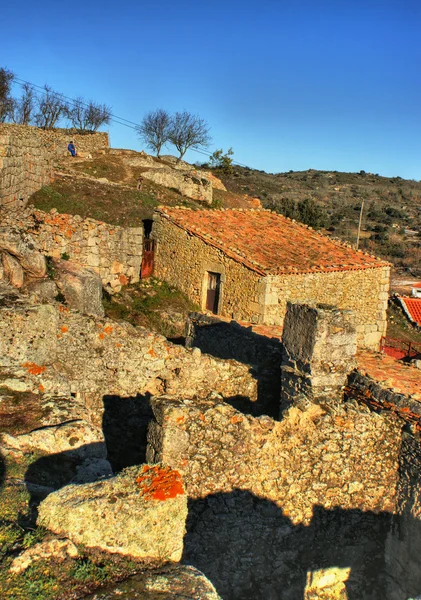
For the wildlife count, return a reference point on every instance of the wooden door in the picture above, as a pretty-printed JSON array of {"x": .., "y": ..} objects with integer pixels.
[
  {"x": 212, "y": 292},
  {"x": 147, "y": 259}
]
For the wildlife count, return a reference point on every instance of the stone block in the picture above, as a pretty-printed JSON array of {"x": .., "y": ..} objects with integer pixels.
[{"x": 141, "y": 513}]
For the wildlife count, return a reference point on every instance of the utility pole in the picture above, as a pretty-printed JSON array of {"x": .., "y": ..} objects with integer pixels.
[{"x": 359, "y": 225}]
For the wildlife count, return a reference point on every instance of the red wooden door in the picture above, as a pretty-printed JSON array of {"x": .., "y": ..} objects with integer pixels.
[
  {"x": 147, "y": 259},
  {"x": 212, "y": 292}
]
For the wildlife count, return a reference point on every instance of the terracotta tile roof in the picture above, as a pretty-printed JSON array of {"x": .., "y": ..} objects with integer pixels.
[
  {"x": 413, "y": 308},
  {"x": 269, "y": 243},
  {"x": 417, "y": 286}
]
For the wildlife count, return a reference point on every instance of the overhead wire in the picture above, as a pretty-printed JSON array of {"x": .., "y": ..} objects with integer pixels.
[{"x": 114, "y": 118}]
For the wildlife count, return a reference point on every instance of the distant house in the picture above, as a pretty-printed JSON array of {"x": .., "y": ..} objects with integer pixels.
[
  {"x": 416, "y": 290},
  {"x": 247, "y": 264},
  {"x": 412, "y": 309}
]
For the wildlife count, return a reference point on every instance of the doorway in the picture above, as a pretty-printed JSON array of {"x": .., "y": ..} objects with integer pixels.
[{"x": 213, "y": 292}]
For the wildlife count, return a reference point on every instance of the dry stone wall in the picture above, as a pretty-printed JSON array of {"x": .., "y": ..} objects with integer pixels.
[
  {"x": 25, "y": 166},
  {"x": 92, "y": 357},
  {"x": 364, "y": 291},
  {"x": 265, "y": 495},
  {"x": 183, "y": 260},
  {"x": 27, "y": 155},
  {"x": 115, "y": 253}
]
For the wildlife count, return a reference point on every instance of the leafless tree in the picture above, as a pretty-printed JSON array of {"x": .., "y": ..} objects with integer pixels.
[
  {"x": 25, "y": 105},
  {"x": 155, "y": 129},
  {"x": 51, "y": 107},
  {"x": 88, "y": 116},
  {"x": 188, "y": 130},
  {"x": 7, "y": 103}
]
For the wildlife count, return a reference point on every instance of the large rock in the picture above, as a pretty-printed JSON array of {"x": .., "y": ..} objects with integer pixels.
[
  {"x": 12, "y": 271},
  {"x": 22, "y": 246},
  {"x": 141, "y": 512},
  {"x": 41, "y": 291},
  {"x": 187, "y": 183},
  {"x": 81, "y": 287},
  {"x": 171, "y": 582}
]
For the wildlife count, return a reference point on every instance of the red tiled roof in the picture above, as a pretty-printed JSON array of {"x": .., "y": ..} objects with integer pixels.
[
  {"x": 417, "y": 286},
  {"x": 413, "y": 308},
  {"x": 269, "y": 243}
]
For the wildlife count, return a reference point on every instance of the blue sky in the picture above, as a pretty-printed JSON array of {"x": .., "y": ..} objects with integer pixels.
[{"x": 331, "y": 85}]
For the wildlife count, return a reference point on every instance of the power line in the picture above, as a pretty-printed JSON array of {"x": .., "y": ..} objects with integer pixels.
[{"x": 114, "y": 118}]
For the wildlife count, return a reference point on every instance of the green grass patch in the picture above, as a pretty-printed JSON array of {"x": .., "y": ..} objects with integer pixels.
[{"x": 153, "y": 304}]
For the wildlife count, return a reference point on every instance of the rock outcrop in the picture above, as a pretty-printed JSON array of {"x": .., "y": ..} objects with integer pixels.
[
  {"x": 188, "y": 184},
  {"x": 81, "y": 287},
  {"x": 175, "y": 582},
  {"x": 141, "y": 513}
]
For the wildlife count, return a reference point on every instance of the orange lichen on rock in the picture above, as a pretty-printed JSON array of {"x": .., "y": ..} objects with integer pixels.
[
  {"x": 152, "y": 352},
  {"x": 63, "y": 308},
  {"x": 64, "y": 329},
  {"x": 101, "y": 336},
  {"x": 108, "y": 329},
  {"x": 33, "y": 368},
  {"x": 180, "y": 420},
  {"x": 123, "y": 279},
  {"x": 159, "y": 483},
  {"x": 236, "y": 419}
]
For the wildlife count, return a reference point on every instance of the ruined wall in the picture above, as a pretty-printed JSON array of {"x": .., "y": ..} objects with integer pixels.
[
  {"x": 404, "y": 539},
  {"x": 231, "y": 340},
  {"x": 25, "y": 166},
  {"x": 183, "y": 260},
  {"x": 27, "y": 154},
  {"x": 93, "y": 357},
  {"x": 364, "y": 291},
  {"x": 265, "y": 494},
  {"x": 113, "y": 252}
]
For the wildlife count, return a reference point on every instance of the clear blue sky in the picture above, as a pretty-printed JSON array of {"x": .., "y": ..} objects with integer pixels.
[{"x": 331, "y": 85}]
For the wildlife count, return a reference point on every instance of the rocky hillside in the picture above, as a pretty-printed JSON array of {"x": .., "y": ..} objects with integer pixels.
[
  {"x": 104, "y": 185},
  {"x": 332, "y": 201}
]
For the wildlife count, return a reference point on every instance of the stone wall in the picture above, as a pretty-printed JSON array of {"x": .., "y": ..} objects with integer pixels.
[
  {"x": 25, "y": 166},
  {"x": 231, "y": 340},
  {"x": 404, "y": 539},
  {"x": 27, "y": 154},
  {"x": 183, "y": 260},
  {"x": 55, "y": 141},
  {"x": 113, "y": 252},
  {"x": 364, "y": 291},
  {"x": 264, "y": 494},
  {"x": 91, "y": 357}
]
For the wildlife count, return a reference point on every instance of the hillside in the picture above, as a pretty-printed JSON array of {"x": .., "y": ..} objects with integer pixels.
[
  {"x": 104, "y": 187},
  {"x": 332, "y": 201}
]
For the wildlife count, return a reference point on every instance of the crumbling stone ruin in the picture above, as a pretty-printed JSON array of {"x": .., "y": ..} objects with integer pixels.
[
  {"x": 314, "y": 503},
  {"x": 250, "y": 464}
]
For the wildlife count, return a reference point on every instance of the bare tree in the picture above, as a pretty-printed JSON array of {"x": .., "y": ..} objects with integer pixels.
[
  {"x": 155, "y": 129},
  {"x": 51, "y": 107},
  {"x": 25, "y": 105},
  {"x": 88, "y": 116},
  {"x": 7, "y": 103},
  {"x": 188, "y": 130}
]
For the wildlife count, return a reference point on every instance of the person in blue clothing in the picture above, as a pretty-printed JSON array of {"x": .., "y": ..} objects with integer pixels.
[{"x": 72, "y": 148}]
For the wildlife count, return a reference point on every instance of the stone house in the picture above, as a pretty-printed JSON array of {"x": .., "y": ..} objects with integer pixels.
[{"x": 247, "y": 264}]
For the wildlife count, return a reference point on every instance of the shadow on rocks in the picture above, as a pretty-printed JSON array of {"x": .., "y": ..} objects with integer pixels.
[{"x": 250, "y": 550}]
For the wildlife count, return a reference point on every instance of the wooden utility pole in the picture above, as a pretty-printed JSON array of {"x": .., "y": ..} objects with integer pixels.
[{"x": 359, "y": 225}]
